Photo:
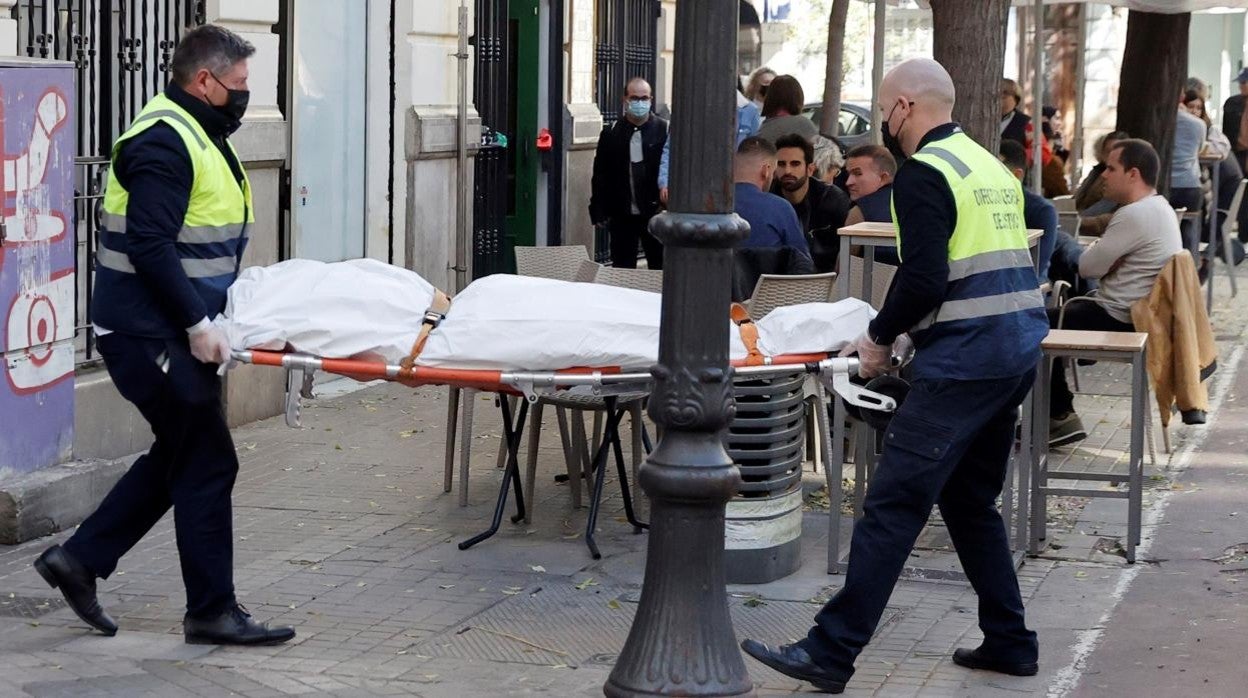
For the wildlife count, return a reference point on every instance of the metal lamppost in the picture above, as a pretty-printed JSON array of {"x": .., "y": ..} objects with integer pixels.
[{"x": 682, "y": 642}]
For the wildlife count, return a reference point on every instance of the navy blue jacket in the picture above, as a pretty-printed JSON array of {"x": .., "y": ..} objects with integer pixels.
[
  {"x": 155, "y": 168},
  {"x": 1040, "y": 213},
  {"x": 773, "y": 222}
]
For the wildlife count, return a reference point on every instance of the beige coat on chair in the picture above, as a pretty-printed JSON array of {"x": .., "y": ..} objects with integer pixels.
[{"x": 1181, "y": 349}]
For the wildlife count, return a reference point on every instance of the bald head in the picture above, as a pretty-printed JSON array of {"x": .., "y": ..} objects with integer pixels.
[
  {"x": 915, "y": 97},
  {"x": 637, "y": 86},
  {"x": 923, "y": 81}
]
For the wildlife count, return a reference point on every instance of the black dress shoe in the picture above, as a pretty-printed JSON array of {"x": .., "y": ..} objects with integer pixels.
[
  {"x": 974, "y": 659},
  {"x": 234, "y": 627},
  {"x": 77, "y": 584},
  {"x": 1194, "y": 416},
  {"x": 793, "y": 661}
]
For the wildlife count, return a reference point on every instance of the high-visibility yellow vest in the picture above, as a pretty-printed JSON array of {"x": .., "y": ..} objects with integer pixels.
[
  {"x": 992, "y": 318},
  {"x": 210, "y": 243}
]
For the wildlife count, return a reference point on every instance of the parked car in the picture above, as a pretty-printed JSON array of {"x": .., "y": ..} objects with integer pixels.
[{"x": 854, "y": 128}]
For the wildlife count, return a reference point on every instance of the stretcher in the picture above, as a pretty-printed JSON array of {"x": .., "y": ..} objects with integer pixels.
[{"x": 831, "y": 373}]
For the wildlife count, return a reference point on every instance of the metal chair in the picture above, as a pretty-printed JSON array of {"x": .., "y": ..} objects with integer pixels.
[
  {"x": 1229, "y": 226},
  {"x": 881, "y": 279},
  {"x": 571, "y": 409},
  {"x": 639, "y": 279},
  {"x": 566, "y": 263},
  {"x": 562, "y": 262},
  {"x": 775, "y": 290},
  {"x": 1064, "y": 204}
]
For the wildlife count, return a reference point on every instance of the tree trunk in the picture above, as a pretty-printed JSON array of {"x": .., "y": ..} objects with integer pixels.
[
  {"x": 834, "y": 75},
  {"x": 969, "y": 40},
  {"x": 1154, "y": 68}
]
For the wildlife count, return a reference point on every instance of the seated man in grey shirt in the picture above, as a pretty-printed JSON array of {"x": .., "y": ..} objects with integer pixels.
[{"x": 1141, "y": 238}]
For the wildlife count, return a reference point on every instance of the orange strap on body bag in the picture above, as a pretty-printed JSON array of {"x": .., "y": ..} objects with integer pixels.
[
  {"x": 749, "y": 334},
  {"x": 434, "y": 315}
]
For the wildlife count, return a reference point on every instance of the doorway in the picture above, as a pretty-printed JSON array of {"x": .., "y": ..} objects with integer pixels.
[{"x": 327, "y": 94}]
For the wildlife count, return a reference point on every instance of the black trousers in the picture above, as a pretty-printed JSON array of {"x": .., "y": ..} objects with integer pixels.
[
  {"x": 625, "y": 232},
  {"x": 935, "y": 455},
  {"x": 190, "y": 467},
  {"x": 1079, "y": 316}
]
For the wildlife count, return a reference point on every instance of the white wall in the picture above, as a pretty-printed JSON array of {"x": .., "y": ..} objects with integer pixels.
[{"x": 1215, "y": 55}]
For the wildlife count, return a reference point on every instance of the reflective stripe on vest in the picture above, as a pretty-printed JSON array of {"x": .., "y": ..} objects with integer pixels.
[
  {"x": 990, "y": 237},
  {"x": 194, "y": 268},
  {"x": 192, "y": 235}
]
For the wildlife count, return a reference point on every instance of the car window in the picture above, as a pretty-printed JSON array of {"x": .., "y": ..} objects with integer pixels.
[{"x": 851, "y": 124}]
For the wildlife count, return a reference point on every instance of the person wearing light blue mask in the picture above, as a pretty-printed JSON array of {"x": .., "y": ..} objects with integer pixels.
[{"x": 625, "y": 191}]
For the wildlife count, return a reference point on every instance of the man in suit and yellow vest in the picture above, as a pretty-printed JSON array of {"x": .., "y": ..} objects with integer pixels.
[
  {"x": 967, "y": 294},
  {"x": 177, "y": 215}
]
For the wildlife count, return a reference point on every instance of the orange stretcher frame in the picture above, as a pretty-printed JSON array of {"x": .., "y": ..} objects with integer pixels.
[{"x": 493, "y": 380}]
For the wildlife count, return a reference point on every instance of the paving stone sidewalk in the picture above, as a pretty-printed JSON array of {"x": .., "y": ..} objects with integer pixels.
[{"x": 343, "y": 529}]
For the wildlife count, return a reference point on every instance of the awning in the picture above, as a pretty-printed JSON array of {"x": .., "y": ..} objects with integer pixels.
[{"x": 1170, "y": 7}]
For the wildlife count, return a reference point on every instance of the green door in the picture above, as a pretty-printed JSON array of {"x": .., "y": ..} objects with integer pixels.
[{"x": 523, "y": 165}]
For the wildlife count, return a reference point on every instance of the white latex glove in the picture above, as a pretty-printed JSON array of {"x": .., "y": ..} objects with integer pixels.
[
  {"x": 209, "y": 344},
  {"x": 873, "y": 359},
  {"x": 903, "y": 348}
]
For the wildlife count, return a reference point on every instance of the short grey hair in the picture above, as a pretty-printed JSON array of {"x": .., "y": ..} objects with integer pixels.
[
  {"x": 827, "y": 156},
  {"x": 209, "y": 46}
]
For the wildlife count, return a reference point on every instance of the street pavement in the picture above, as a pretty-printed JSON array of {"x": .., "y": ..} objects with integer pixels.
[{"x": 343, "y": 530}]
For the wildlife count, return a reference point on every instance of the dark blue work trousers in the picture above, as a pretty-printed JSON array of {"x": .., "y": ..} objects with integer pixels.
[
  {"x": 948, "y": 444},
  {"x": 190, "y": 467}
]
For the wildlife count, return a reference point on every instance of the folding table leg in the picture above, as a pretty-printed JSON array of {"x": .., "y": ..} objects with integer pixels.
[
  {"x": 511, "y": 474},
  {"x": 1135, "y": 495},
  {"x": 599, "y": 468},
  {"x": 502, "y": 447},
  {"x": 614, "y": 438}
]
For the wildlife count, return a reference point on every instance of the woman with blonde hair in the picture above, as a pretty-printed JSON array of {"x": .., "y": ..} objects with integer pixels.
[{"x": 757, "y": 85}]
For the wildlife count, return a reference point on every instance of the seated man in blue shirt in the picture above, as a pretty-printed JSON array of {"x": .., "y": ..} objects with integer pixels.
[
  {"x": 773, "y": 222},
  {"x": 1038, "y": 212}
]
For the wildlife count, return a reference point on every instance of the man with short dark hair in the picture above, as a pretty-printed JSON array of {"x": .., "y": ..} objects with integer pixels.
[
  {"x": 177, "y": 212},
  {"x": 624, "y": 191},
  {"x": 871, "y": 170},
  {"x": 820, "y": 207},
  {"x": 1140, "y": 239}
]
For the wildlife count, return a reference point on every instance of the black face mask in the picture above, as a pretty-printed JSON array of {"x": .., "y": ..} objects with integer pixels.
[
  {"x": 890, "y": 138},
  {"x": 235, "y": 102}
]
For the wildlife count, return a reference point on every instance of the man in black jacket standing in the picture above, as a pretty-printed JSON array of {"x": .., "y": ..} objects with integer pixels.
[
  {"x": 821, "y": 208},
  {"x": 624, "y": 194},
  {"x": 177, "y": 212}
]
